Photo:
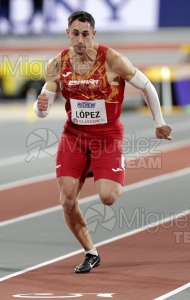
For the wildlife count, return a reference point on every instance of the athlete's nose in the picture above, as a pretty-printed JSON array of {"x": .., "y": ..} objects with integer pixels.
[{"x": 80, "y": 39}]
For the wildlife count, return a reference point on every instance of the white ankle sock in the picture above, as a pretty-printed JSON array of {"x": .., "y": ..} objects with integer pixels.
[{"x": 92, "y": 251}]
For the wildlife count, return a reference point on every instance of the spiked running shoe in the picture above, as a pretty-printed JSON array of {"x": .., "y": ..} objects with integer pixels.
[{"x": 90, "y": 261}]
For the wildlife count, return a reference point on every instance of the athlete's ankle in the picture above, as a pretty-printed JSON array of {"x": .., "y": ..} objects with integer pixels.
[{"x": 92, "y": 251}]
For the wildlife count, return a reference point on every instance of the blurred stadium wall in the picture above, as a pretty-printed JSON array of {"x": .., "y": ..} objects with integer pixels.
[
  {"x": 50, "y": 16},
  {"x": 154, "y": 34}
]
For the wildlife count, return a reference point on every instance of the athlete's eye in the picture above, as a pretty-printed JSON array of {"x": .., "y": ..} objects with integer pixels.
[
  {"x": 85, "y": 34},
  {"x": 75, "y": 33}
]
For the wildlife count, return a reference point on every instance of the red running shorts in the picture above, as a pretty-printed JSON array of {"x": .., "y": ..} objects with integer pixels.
[{"x": 76, "y": 154}]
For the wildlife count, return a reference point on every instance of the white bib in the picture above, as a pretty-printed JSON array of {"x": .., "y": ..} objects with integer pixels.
[{"x": 91, "y": 112}]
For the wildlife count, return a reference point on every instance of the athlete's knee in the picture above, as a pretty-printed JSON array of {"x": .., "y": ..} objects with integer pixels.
[
  {"x": 69, "y": 206},
  {"x": 108, "y": 197},
  {"x": 68, "y": 193},
  {"x": 68, "y": 202},
  {"x": 108, "y": 190}
]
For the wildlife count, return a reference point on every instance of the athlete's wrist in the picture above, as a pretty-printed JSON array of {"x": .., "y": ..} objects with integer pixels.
[
  {"x": 51, "y": 97},
  {"x": 40, "y": 113}
]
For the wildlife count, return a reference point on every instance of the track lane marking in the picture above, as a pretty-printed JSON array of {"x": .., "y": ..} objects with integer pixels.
[
  {"x": 41, "y": 178},
  {"x": 30, "y": 180},
  {"x": 110, "y": 240},
  {"x": 21, "y": 158},
  {"x": 137, "y": 185},
  {"x": 174, "y": 292}
]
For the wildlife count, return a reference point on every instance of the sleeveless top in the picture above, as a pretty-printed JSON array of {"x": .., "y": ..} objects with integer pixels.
[{"x": 93, "y": 105}]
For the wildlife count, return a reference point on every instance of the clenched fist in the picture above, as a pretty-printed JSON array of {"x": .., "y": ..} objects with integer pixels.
[
  {"x": 164, "y": 132},
  {"x": 42, "y": 102}
]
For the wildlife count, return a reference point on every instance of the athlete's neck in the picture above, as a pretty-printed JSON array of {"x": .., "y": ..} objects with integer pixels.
[{"x": 88, "y": 56}]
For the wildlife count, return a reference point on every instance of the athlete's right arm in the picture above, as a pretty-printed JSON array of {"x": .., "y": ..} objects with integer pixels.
[{"x": 49, "y": 91}]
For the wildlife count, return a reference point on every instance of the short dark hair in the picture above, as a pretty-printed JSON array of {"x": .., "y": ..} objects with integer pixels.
[{"x": 82, "y": 16}]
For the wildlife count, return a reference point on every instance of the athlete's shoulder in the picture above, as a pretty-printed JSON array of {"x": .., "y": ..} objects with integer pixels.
[
  {"x": 53, "y": 67},
  {"x": 112, "y": 56},
  {"x": 55, "y": 60},
  {"x": 111, "y": 53},
  {"x": 120, "y": 64}
]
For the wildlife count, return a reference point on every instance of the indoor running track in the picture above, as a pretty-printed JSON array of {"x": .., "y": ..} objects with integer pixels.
[{"x": 143, "y": 239}]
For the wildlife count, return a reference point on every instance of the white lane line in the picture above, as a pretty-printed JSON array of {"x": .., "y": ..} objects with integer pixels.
[
  {"x": 174, "y": 292},
  {"x": 158, "y": 149},
  {"x": 177, "y": 127},
  {"x": 156, "y": 179},
  {"x": 22, "y": 158},
  {"x": 174, "y": 145},
  {"x": 17, "y": 159},
  {"x": 41, "y": 265},
  {"x": 27, "y": 181},
  {"x": 30, "y": 216},
  {"x": 110, "y": 240},
  {"x": 130, "y": 187},
  {"x": 181, "y": 126},
  {"x": 44, "y": 212},
  {"x": 40, "y": 178}
]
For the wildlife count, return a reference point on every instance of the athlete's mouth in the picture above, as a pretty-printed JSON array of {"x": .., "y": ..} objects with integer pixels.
[{"x": 80, "y": 47}]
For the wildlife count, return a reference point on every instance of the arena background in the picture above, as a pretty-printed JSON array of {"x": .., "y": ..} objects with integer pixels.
[
  {"x": 50, "y": 16},
  {"x": 144, "y": 238}
]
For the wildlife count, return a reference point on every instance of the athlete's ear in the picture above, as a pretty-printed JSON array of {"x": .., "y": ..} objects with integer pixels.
[
  {"x": 93, "y": 33},
  {"x": 67, "y": 32}
]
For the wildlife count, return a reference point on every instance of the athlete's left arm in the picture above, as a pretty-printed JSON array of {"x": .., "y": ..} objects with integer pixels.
[
  {"x": 49, "y": 91},
  {"x": 124, "y": 68}
]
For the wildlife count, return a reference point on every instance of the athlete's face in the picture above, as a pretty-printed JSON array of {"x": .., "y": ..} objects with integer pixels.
[{"x": 81, "y": 35}]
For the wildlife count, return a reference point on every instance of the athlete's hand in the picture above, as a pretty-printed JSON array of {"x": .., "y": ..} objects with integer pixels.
[
  {"x": 164, "y": 132},
  {"x": 42, "y": 102}
]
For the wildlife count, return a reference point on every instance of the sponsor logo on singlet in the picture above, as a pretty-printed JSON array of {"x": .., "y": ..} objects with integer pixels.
[
  {"x": 86, "y": 105},
  {"x": 77, "y": 82}
]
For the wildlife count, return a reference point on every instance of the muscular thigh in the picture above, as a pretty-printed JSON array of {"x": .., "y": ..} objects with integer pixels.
[{"x": 71, "y": 159}]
